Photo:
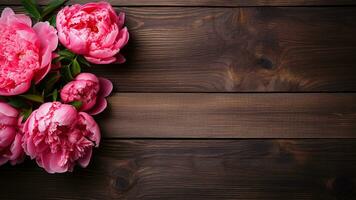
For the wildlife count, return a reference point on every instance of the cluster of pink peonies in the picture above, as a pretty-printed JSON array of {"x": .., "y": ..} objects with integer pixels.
[{"x": 47, "y": 102}]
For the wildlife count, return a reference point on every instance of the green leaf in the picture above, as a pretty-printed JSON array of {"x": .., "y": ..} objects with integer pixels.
[
  {"x": 77, "y": 104},
  {"x": 66, "y": 53},
  {"x": 32, "y": 8},
  {"x": 60, "y": 58},
  {"x": 26, "y": 113},
  {"x": 17, "y": 102},
  {"x": 52, "y": 21},
  {"x": 50, "y": 81},
  {"x": 33, "y": 97},
  {"x": 55, "y": 95},
  {"x": 66, "y": 73},
  {"x": 52, "y": 6},
  {"x": 75, "y": 68},
  {"x": 83, "y": 61}
]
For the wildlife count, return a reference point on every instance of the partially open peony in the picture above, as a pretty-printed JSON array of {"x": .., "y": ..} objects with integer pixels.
[
  {"x": 88, "y": 89},
  {"x": 25, "y": 52},
  {"x": 10, "y": 135},
  {"x": 93, "y": 30},
  {"x": 59, "y": 137}
]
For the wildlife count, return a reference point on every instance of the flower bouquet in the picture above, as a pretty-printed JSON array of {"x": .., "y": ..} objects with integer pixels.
[{"x": 47, "y": 100}]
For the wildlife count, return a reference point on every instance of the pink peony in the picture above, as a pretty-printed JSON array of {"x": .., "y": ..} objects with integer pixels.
[
  {"x": 10, "y": 135},
  {"x": 58, "y": 137},
  {"x": 25, "y": 52},
  {"x": 93, "y": 30},
  {"x": 89, "y": 90}
]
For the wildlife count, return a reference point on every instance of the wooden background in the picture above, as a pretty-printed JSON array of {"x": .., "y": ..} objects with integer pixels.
[{"x": 220, "y": 99}]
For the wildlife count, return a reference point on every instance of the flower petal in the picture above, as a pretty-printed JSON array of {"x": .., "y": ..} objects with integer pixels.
[
  {"x": 120, "y": 58},
  {"x": 120, "y": 19},
  {"x": 99, "y": 107},
  {"x": 122, "y": 38},
  {"x": 7, "y": 135},
  {"x": 106, "y": 87},
  {"x": 92, "y": 127},
  {"x": 100, "y": 61},
  {"x": 47, "y": 35},
  {"x": 48, "y": 43},
  {"x": 19, "y": 89},
  {"x": 8, "y": 110},
  {"x": 84, "y": 161},
  {"x": 7, "y": 12},
  {"x": 77, "y": 44}
]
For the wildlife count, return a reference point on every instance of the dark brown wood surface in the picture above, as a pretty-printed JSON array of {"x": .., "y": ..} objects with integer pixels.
[
  {"x": 191, "y": 169},
  {"x": 220, "y": 99},
  {"x": 238, "y": 49},
  {"x": 239, "y": 115},
  {"x": 215, "y": 3}
]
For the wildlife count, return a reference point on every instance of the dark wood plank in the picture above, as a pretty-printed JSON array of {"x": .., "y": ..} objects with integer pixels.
[
  {"x": 233, "y": 50},
  {"x": 181, "y": 169},
  {"x": 214, "y": 115},
  {"x": 174, "y": 49},
  {"x": 218, "y": 3}
]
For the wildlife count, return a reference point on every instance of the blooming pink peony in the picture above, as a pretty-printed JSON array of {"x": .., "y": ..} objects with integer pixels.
[
  {"x": 58, "y": 137},
  {"x": 25, "y": 52},
  {"x": 10, "y": 135},
  {"x": 88, "y": 89},
  {"x": 93, "y": 30}
]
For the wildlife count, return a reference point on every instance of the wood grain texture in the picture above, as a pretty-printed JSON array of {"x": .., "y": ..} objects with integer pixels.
[
  {"x": 210, "y": 169},
  {"x": 215, "y": 115},
  {"x": 217, "y": 3},
  {"x": 234, "y": 50},
  {"x": 175, "y": 49}
]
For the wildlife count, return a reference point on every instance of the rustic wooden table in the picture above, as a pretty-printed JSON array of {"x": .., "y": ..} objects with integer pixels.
[{"x": 220, "y": 99}]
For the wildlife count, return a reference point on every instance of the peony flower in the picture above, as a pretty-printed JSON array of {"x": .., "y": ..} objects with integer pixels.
[
  {"x": 58, "y": 137},
  {"x": 10, "y": 135},
  {"x": 25, "y": 52},
  {"x": 93, "y": 30},
  {"x": 89, "y": 90}
]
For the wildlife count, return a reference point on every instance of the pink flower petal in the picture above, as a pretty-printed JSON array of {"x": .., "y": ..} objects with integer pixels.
[
  {"x": 99, "y": 107},
  {"x": 9, "y": 15},
  {"x": 103, "y": 53},
  {"x": 7, "y": 110},
  {"x": 121, "y": 19},
  {"x": 100, "y": 61},
  {"x": 57, "y": 162},
  {"x": 120, "y": 58},
  {"x": 19, "y": 89},
  {"x": 17, "y": 153},
  {"x": 44, "y": 161},
  {"x": 47, "y": 35},
  {"x": 92, "y": 127},
  {"x": 65, "y": 116},
  {"x": 6, "y": 120},
  {"x": 7, "y": 135},
  {"x": 84, "y": 161},
  {"x": 110, "y": 38},
  {"x": 106, "y": 87},
  {"x": 7, "y": 12},
  {"x": 77, "y": 44},
  {"x": 123, "y": 38},
  {"x": 49, "y": 42},
  {"x": 87, "y": 77},
  {"x": 24, "y": 19}
]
